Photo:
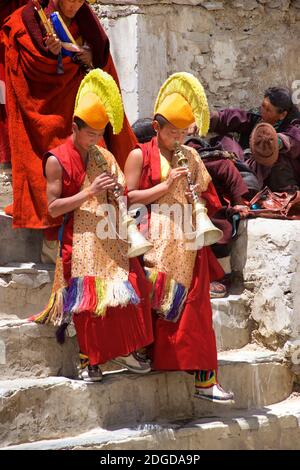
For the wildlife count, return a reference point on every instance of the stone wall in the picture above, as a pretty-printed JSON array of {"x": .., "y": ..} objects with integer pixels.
[
  {"x": 237, "y": 48},
  {"x": 267, "y": 253}
]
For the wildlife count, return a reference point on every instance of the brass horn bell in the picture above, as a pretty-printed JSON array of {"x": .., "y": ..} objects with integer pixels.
[{"x": 206, "y": 232}]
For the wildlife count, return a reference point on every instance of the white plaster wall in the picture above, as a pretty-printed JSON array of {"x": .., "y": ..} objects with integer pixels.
[
  {"x": 237, "y": 48},
  {"x": 122, "y": 33}
]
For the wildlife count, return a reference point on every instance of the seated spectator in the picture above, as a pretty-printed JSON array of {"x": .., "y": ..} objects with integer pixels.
[
  {"x": 143, "y": 130},
  {"x": 278, "y": 110}
]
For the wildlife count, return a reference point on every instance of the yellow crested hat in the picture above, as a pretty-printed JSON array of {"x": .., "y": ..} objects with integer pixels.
[
  {"x": 182, "y": 101},
  {"x": 99, "y": 101}
]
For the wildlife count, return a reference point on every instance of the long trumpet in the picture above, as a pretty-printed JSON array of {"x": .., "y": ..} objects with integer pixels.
[
  {"x": 46, "y": 23},
  {"x": 206, "y": 232},
  {"x": 137, "y": 243},
  {"x": 56, "y": 25}
]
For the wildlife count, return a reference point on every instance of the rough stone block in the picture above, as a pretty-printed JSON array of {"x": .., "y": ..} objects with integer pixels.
[
  {"x": 19, "y": 245},
  {"x": 25, "y": 289},
  {"x": 231, "y": 322}
]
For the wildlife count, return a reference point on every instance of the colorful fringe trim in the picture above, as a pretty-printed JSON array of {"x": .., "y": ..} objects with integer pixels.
[
  {"x": 86, "y": 294},
  {"x": 168, "y": 296}
]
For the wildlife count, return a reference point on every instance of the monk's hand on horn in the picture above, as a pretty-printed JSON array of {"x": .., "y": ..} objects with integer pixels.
[
  {"x": 103, "y": 182},
  {"x": 175, "y": 174},
  {"x": 53, "y": 44},
  {"x": 189, "y": 193}
]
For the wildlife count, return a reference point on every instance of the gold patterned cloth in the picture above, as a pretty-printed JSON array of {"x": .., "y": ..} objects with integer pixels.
[
  {"x": 106, "y": 258},
  {"x": 170, "y": 265},
  {"x": 100, "y": 267}
]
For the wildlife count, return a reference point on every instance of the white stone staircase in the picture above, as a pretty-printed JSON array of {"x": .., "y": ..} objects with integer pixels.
[
  {"x": 44, "y": 407},
  {"x": 273, "y": 427}
]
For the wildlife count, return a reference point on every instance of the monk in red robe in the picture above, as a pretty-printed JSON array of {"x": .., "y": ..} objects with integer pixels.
[
  {"x": 7, "y": 7},
  {"x": 40, "y": 101},
  {"x": 182, "y": 317},
  {"x": 105, "y": 293}
]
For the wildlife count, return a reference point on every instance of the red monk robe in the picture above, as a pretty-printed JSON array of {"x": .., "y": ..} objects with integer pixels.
[
  {"x": 41, "y": 104},
  {"x": 121, "y": 330},
  {"x": 7, "y": 7},
  {"x": 188, "y": 344}
]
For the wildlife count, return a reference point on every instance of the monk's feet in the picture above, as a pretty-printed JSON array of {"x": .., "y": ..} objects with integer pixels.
[
  {"x": 90, "y": 374},
  {"x": 215, "y": 394},
  {"x": 217, "y": 290},
  {"x": 133, "y": 363}
]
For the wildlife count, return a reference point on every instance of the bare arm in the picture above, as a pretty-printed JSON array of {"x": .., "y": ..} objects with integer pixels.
[
  {"x": 56, "y": 204},
  {"x": 133, "y": 170}
]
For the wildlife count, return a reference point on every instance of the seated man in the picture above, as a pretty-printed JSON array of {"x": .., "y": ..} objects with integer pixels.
[
  {"x": 143, "y": 130},
  {"x": 278, "y": 110},
  {"x": 183, "y": 332},
  {"x": 101, "y": 290}
]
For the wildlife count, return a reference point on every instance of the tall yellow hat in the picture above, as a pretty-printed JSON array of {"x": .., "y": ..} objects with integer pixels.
[
  {"x": 182, "y": 101},
  {"x": 99, "y": 101}
]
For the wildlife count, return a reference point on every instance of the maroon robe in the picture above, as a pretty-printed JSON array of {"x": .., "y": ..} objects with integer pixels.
[
  {"x": 7, "y": 8},
  {"x": 188, "y": 344},
  {"x": 40, "y": 106},
  {"x": 242, "y": 122}
]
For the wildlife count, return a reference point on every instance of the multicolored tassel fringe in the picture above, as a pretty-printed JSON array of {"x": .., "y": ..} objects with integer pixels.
[
  {"x": 205, "y": 378},
  {"x": 168, "y": 296},
  {"x": 86, "y": 294}
]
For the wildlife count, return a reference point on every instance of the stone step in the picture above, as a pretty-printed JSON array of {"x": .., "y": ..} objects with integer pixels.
[
  {"x": 25, "y": 289},
  {"x": 231, "y": 322},
  {"x": 18, "y": 245},
  {"x": 272, "y": 427},
  {"x": 6, "y": 195},
  {"x": 30, "y": 350},
  {"x": 56, "y": 407}
]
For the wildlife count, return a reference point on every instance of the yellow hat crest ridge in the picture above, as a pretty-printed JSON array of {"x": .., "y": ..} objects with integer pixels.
[
  {"x": 107, "y": 101},
  {"x": 189, "y": 87}
]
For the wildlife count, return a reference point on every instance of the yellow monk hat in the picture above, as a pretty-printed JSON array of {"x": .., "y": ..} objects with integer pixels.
[
  {"x": 92, "y": 112},
  {"x": 176, "y": 110},
  {"x": 182, "y": 101},
  {"x": 99, "y": 101}
]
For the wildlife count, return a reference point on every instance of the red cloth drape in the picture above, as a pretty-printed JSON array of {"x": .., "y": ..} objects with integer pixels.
[
  {"x": 40, "y": 105},
  {"x": 72, "y": 179},
  {"x": 122, "y": 330},
  {"x": 188, "y": 344},
  {"x": 6, "y": 8}
]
